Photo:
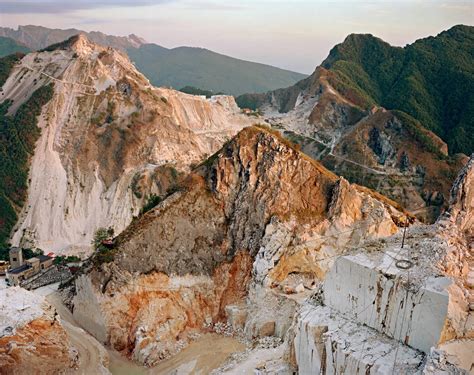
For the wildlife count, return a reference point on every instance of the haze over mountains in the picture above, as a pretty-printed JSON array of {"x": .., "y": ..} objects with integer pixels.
[
  {"x": 177, "y": 67},
  {"x": 9, "y": 46}
]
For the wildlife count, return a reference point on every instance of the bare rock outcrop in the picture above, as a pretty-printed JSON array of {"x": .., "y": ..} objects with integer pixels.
[
  {"x": 252, "y": 216},
  {"x": 108, "y": 141},
  {"x": 382, "y": 149},
  {"x": 461, "y": 207},
  {"x": 416, "y": 301}
]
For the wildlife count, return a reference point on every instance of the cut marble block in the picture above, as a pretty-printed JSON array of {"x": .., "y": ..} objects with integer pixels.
[
  {"x": 328, "y": 343},
  {"x": 373, "y": 291}
]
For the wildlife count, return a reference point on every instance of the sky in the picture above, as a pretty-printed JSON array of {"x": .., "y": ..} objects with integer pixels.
[{"x": 291, "y": 34}]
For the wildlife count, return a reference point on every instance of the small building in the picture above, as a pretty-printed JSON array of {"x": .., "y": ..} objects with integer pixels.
[
  {"x": 16, "y": 257},
  {"x": 26, "y": 269},
  {"x": 17, "y": 275},
  {"x": 46, "y": 261}
]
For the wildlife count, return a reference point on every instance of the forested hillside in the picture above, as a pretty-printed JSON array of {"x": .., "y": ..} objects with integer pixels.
[
  {"x": 9, "y": 46},
  {"x": 432, "y": 79},
  {"x": 18, "y": 134}
]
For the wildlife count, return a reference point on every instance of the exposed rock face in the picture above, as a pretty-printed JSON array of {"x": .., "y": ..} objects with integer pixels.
[
  {"x": 251, "y": 216},
  {"x": 416, "y": 300},
  {"x": 152, "y": 317},
  {"x": 32, "y": 339},
  {"x": 380, "y": 144},
  {"x": 109, "y": 139},
  {"x": 417, "y": 316},
  {"x": 462, "y": 200},
  {"x": 384, "y": 150},
  {"x": 327, "y": 343}
]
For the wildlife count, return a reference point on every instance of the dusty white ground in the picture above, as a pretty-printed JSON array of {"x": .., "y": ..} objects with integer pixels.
[{"x": 18, "y": 307}]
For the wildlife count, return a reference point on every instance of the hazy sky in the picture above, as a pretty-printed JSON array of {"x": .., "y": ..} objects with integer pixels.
[{"x": 292, "y": 34}]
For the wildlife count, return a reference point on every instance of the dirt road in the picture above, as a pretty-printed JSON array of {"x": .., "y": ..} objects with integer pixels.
[
  {"x": 93, "y": 358},
  {"x": 200, "y": 357}
]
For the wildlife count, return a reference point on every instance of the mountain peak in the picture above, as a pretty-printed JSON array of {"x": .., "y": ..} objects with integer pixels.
[
  {"x": 82, "y": 45},
  {"x": 356, "y": 46},
  {"x": 136, "y": 40},
  {"x": 79, "y": 42}
]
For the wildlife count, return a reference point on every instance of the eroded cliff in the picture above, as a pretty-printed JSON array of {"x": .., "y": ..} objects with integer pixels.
[
  {"x": 409, "y": 308},
  {"x": 386, "y": 150}
]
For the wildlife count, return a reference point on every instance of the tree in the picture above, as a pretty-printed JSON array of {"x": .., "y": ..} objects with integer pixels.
[{"x": 102, "y": 234}]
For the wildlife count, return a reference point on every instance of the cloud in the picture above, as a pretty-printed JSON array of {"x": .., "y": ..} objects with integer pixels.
[{"x": 61, "y": 6}]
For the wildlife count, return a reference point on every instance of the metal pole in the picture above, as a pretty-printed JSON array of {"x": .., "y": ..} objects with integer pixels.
[{"x": 404, "y": 230}]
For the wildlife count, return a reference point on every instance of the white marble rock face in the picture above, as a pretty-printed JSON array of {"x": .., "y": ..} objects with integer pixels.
[{"x": 77, "y": 184}]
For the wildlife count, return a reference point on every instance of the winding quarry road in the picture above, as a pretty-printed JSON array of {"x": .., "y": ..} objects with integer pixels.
[{"x": 93, "y": 358}]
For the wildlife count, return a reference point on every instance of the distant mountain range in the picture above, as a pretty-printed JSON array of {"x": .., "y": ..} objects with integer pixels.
[
  {"x": 385, "y": 117},
  {"x": 39, "y": 37},
  {"x": 9, "y": 46},
  {"x": 177, "y": 67}
]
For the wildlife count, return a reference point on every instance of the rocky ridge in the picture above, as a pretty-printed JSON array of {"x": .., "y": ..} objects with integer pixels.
[
  {"x": 259, "y": 240},
  {"x": 109, "y": 140},
  {"x": 385, "y": 150},
  {"x": 420, "y": 296},
  {"x": 251, "y": 219},
  {"x": 243, "y": 248},
  {"x": 38, "y": 37}
]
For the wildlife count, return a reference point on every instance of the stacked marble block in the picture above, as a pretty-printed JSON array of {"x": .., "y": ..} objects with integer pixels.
[{"x": 380, "y": 315}]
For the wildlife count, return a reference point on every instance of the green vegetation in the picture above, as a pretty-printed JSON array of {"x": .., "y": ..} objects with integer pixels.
[
  {"x": 195, "y": 91},
  {"x": 432, "y": 80},
  {"x": 9, "y": 46},
  {"x": 6, "y": 65},
  {"x": 251, "y": 101},
  {"x": 197, "y": 67},
  {"x": 100, "y": 235},
  {"x": 103, "y": 253},
  {"x": 417, "y": 131},
  {"x": 152, "y": 201},
  {"x": 18, "y": 135},
  {"x": 64, "y": 260}
]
